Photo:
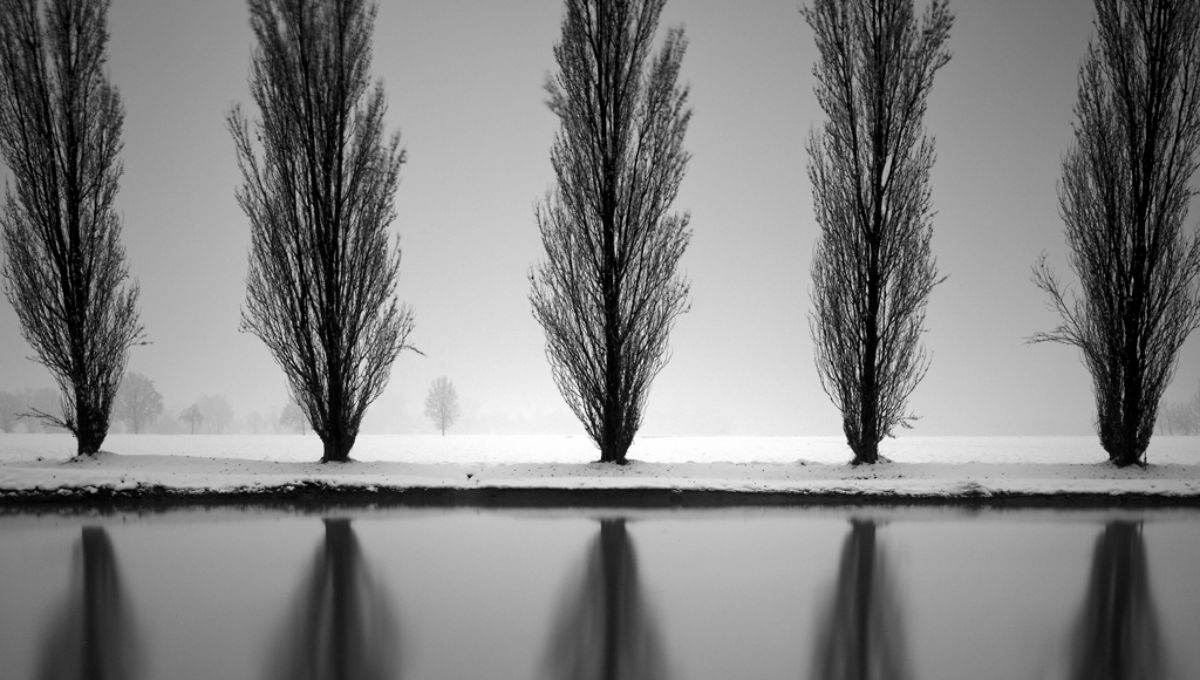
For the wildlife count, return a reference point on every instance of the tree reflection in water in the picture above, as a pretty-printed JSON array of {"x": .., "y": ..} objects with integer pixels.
[
  {"x": 340, "y": 625},
  {"x": 860, "y": 629},
  {"x": 604, "y": 628},
  {"x": 93, "y": 637},
  {"x": 1117, "y": 634}
]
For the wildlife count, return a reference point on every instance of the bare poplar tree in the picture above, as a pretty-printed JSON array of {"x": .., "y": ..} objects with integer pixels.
[
  {"x": 321, "y": 288},
  {"x": 441, "y": 404},
  {"x": 873, "y": 267},
  {"x": 1124, "y": 198},
  {"x": 64, "y": 265},
  {"x": 608, "y": 291}
]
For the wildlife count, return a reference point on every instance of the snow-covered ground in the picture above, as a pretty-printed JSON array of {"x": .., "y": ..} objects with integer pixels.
[
  {"x": 477, "y": 449},
  {"x": 920, "y": 467}
]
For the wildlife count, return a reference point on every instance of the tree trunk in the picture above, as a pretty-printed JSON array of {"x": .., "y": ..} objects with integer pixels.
[
  {"x": 1128, "y": 449},
  {"x": 89, "y": 441},
  {"x": 612, "y": 425},
  {"x": 614, "y": 447},
  {"x": 608, "y": 452},
  {"x": 614, "y": 442},
  {"x": 90, "y": 428},
  {"x": 1125, "y": 452},
  {"x": 867, "y": 448},
  {"x": 337, "y": 443},
  {"x": 865, "y": 452}
]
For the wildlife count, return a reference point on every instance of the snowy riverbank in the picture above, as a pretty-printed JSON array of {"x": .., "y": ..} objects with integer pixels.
[{"x": 39, "y": 467}]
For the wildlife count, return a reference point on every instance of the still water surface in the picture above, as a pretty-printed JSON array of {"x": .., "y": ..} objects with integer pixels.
[{"x": 799, "y": 593}]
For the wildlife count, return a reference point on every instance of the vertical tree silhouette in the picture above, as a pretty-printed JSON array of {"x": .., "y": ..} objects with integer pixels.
[
  {"x": 341, "y": 625},
  {"x": 64, "y": 265},
  {"x": 321, "y": 288},
  {"x": 873, "y": 267},
  {"x": 862, "y": 636},
  {"x": 1124, "y": 198},
  {"x": 1117, "y": 636},
  {"x": 609, "y": 290},
  {"x": 604, "y": 629},
  {"x": 94, "y": 636}
]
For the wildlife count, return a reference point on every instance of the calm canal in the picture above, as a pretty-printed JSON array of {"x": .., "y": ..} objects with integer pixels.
[{"x": 639, "y": 594}]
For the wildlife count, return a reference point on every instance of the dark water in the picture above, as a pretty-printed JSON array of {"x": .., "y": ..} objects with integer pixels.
[{"x": 871, "y": 593}]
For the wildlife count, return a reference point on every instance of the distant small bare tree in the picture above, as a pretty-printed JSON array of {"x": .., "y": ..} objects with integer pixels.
[
  {"x": 609, "y": 290},
  {"x": 321, "y": 287},
  {"x": 255, "y": 423},
  {"x": 293, "y": 418},
  {"x": 1181, "y": 417},
  {"x": 1194, "y": 413},
  {"x": 873, "y": 266},
  {"x": 217, "y": 413},
  {"x": 1175, "y": 419},
  {"x": 10, "y": 411},
  {"x": 193, "y": 417},
  {"x": 138, "y": 401},
  {"x": 64, "y": 267},
  {"x": 1124, "y": 198},
  {"x": 441, "y": 404}
]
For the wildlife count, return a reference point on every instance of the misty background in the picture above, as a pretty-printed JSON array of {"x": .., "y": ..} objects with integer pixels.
[{"x": 464, "y": 80}]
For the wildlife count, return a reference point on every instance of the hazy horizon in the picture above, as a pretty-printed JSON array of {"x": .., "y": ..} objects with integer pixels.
[{"x": 464, "y": 81}]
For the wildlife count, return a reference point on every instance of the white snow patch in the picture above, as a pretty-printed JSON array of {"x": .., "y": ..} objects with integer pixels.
[{"x": 921, "y": 466}]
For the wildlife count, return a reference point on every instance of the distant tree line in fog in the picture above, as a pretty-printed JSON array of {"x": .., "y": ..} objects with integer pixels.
[
  {"x": 319, "y": 175},
  {"x": 140, "y": 409},
  {"x": 1180, "y": 417},
  {"x": 17, "y": 407}
]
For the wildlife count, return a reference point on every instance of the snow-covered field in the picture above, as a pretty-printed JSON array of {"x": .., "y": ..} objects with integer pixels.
[
  {"x": 920, "y": 467},
  {"x": 485, "y": 449}
]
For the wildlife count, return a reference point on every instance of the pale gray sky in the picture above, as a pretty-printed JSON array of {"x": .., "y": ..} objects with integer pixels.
[{"x": 464, "y": 80}]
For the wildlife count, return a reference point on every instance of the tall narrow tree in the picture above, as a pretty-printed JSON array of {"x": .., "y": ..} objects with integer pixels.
[
  {"x": 64, "y": 265},
  {"x": 873, "y": 267},
  {"x": 1124, "y": 198},
  {"x": 320, "y": 292},
  {"x": 608, "y": 291}
]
